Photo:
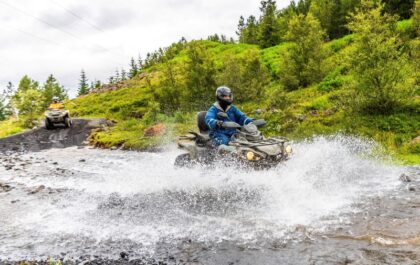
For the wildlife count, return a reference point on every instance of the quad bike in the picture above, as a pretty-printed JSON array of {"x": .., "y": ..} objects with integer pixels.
[
  {"x": 54, "y": 117},
  {"x": 247, "y": 147}
]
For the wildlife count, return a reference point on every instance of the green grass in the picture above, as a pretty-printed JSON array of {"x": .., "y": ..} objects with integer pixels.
[
  {"x": 317, "y": 110},
  {"x": 10, "y": 127}
]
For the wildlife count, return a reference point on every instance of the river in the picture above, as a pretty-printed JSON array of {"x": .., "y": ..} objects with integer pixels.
[{"x": 334, "y": 202}]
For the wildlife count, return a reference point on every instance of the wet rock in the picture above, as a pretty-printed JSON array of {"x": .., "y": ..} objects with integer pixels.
[
  {"x": 5, "y": 187},
  {"x": 405, "y": 178},
  {"x": 55, "y": 163},
  {"x": 82, "y": 160},
  {"x": 124, "y": 255},
  {"x": 416, "y": 140},
  {"x": 155, "y": 130},
  {"x": 412, "y": 188},
  {"x": 40, "y": 188}
]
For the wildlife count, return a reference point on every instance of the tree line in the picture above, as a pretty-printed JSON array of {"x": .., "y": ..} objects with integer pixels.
[
  {"x": 271, "y": 27},
  {"x": 382, "y": 66}
]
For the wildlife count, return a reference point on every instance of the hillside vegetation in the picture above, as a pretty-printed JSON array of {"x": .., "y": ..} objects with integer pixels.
[{"x": 363, "y": 82}]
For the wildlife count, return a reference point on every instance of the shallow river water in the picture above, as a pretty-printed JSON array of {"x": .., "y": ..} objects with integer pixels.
[{"x": 333, "y": 202}]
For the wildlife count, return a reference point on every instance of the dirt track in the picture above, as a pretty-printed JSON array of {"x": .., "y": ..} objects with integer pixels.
[{"x": 40, "y": 138}]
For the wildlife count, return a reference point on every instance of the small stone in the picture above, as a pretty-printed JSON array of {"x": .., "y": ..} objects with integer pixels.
[
  {"x": 412, "y": 189},
  {"x": 405, "y": 178},
  {"x": 82, "y": 160},
  {"x": 124, "y": 255},
  {"x": 40, "y": 188},
  {"x": 55, "y": 163}
]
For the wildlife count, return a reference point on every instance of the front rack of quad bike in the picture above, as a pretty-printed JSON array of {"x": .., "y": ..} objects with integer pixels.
[{"x": 264, "y": 142}]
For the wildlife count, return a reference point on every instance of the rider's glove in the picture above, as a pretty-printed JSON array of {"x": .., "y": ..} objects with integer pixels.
[{"x": 219, "y": 124}]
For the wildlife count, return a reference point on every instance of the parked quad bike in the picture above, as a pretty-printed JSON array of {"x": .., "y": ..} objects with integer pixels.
[
  {"x": 250, "y": 147},
  {"x": 53, "y": 117}
]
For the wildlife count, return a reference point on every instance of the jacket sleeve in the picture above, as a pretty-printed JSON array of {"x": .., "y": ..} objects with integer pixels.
[
  {"x": 241, "y": 117},
  {"x": 211, "y": 118}
]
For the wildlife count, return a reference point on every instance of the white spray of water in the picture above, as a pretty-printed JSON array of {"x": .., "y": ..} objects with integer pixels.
[{"x": 141, "y": 197}]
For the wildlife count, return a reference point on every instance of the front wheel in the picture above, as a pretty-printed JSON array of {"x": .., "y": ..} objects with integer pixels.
[
  {"x": 48, "y": 125},
  {"x": 67, "y": 122},
  {"x": 183, "y": 160}
]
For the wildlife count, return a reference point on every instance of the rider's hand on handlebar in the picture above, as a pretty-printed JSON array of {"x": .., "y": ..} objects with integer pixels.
[{"x": 219, "y": 124}]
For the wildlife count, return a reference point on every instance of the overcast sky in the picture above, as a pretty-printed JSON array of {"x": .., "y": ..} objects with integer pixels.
[{"x": 61, "y": 37}]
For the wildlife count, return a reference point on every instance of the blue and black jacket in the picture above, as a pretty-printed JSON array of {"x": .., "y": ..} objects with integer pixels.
[{"x": 233, "y": 113}]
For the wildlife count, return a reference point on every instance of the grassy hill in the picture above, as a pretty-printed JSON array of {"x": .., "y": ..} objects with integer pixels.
[{"x": 321, "y": 108}]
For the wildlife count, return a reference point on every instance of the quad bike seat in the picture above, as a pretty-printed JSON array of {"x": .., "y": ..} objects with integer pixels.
[{"x": 202, "y": 138}]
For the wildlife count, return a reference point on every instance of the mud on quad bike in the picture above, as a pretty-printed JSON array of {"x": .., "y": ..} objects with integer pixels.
[
  {"x": 249, "y": 147},
  {"x": 54, "y": 117}
]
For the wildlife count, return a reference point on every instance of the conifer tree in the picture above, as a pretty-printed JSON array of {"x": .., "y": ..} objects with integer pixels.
[
  {"x": 123, "y": 74},
  {"x": 83, "y": 84},
  {"x": 133, "y": 68},
  {"x": 268, "y": 27},
  {"x": 52, "y": 88}
]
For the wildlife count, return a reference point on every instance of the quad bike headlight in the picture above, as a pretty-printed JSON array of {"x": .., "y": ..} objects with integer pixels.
[
  {"x": 250, "y": 155},
  {"x": 288, "y": 149}
]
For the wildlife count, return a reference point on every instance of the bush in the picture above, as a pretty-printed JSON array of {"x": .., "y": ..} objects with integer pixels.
[{"x": 332, "y": 81}]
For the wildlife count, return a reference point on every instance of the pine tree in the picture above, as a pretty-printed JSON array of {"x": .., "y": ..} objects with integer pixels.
[
  {"x": 98, "y": 84},
  {"x": 133, "y": 68},
  {"x": 268, "y": 27},
  {"x": 123, "y": 74},
  {"x": 139, "y": 63},
  {"x": 83, "y": 84},
  {"x": 241, "y": 27},
  {"x": 52, "y": 88},
  {"x": 27, "y": 83},
  {"x": 117, "y": 77},
  {"x": 250, "y": 34}
]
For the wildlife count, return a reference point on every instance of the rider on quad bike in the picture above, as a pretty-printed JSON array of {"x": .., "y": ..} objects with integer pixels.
[
  {"x": 56, "y": 114},
  {"x": 226, "y": 134},
  {"x": 221, "y": 136}
]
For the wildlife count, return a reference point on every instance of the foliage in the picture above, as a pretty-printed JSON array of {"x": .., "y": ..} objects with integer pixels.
[
  {"x": 402, "y": 8},
  {"x": 303, "y": 59},
  {"x": 416, "y": 17},
  {"x": 332, "y": 81},
  {"x": 26, "y": 83},
  {"x": 134, "y": 68},
  {"x": 380, "y": 67},
  {"x": 10, "y": 126},
  {"x": 6, "y": 109},
  {"x": 268, "y": 26},
  {"x": 246, "y": 76},
  {"x": 52, "y": 88},
  {"x": 200, "y": 77},
  {"x": 83, "y": 84},
  {"x": 171, "y": 88},
  {"x": 30, "y": 103}
]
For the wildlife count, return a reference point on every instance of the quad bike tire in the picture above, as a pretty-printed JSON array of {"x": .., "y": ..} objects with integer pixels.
[
  {"x": 48, "y": 125},
  {"x": 67, "y": 122},
  {"x": 183, "y": 160}
]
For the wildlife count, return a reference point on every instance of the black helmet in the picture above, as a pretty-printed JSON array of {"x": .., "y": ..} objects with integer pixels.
[{"x": 221, "y": 92}]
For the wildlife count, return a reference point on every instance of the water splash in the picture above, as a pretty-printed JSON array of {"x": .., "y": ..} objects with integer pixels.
[{"x": 138, "y": 200}]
